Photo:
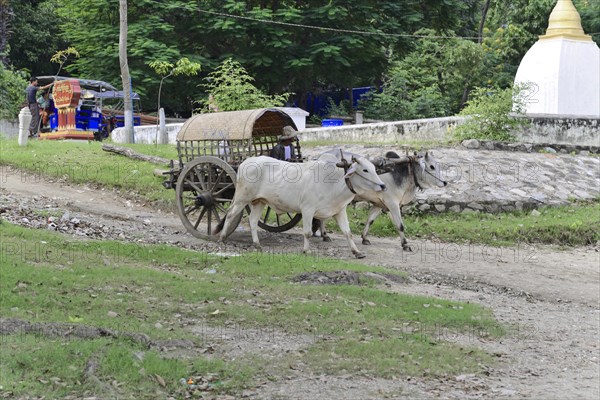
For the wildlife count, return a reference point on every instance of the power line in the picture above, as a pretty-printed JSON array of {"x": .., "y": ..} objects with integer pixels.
[
  {"x": 352, "y": 31},
  {"x": 356, "y": 32}
]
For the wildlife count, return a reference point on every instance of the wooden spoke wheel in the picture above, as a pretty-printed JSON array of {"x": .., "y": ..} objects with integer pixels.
[
  {"x": 205, "y": 189},
  {"x": 272, "y": 222}
]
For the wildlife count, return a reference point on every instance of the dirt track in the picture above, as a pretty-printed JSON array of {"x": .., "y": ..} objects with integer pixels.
[{"x": 552, "y": 294}]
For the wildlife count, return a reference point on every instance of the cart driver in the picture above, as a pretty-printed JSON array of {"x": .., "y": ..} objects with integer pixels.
[{"x": 284, "y": 150}]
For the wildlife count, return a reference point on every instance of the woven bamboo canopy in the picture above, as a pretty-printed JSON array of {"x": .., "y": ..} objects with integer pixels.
[{"x": 235, "y": 125}]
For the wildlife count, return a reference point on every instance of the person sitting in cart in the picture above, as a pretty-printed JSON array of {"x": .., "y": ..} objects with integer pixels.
[{"x": 284, "y": 150}]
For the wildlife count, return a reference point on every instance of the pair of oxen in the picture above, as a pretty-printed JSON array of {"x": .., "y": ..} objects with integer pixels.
[{"x": 323, "y": 188}]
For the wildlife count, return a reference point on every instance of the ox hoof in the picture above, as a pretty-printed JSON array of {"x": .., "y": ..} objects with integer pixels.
[
  {"x": 406, "y": 247},
  {"x": 258, "y": 247},
  {"x": 366, "y": 242},
  {"x": 358, "y": 254},
  {"x": 326, "y": 239}
]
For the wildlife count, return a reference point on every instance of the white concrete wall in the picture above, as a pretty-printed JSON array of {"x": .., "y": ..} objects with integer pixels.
[
  {"x": 9, "y": 129},
  {"x": 146, "y": 134}
]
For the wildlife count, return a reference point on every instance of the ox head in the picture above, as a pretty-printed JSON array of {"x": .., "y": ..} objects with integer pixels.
[
  {"x": 426, "y": 167},
  {"x": 361, "y": 174},
  {"x": 429, "y": 172}
]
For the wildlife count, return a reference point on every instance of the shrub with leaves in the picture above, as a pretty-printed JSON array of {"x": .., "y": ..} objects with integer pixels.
[
  {"x": 341, "y": 110},
  {"x": 488, "y": 114},
  {"x": 12, "y": 92},
  {"x": 232, "y": 89}
]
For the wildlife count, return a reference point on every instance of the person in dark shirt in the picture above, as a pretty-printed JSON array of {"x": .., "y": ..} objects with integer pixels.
[
  {"x": 284, "y": 150},
  {"x": 34, "y": 108}
]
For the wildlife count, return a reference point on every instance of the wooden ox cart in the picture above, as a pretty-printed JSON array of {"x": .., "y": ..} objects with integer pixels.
[{"x": 210, "y": 149}]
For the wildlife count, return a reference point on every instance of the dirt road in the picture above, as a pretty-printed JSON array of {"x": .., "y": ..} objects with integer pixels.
[{"x": 552, "y": 295}]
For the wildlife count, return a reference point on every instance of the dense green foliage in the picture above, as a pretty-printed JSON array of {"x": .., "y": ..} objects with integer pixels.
[
  {"x": 277, "y": 42},
  {"x": 36, "y": 35},
  {"x": 430, "y": 81},
  {"x": 12, "y": 93}
]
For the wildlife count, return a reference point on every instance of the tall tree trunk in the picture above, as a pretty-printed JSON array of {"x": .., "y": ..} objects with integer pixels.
[
  {"x": 484, "y": 11},
  {"x": 125, "y": 77},
  {"x": 6, "y": 15}
]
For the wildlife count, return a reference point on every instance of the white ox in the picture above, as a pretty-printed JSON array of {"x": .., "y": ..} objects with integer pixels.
[
  {"x": 405, "y": 176},
  {"x": 317, "y": 189}
]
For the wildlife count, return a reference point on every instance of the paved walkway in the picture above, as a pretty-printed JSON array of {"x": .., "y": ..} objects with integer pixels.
[{"x": 501, "y": 180}]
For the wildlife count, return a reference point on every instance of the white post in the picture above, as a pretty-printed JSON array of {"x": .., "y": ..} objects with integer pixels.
[
  {"x": 24, "y": 121},
  {"x": 358, "y": 119},
  {"x": 162, "y": 133}
]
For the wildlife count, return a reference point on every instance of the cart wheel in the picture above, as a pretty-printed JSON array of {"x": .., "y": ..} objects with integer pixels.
[
  {"x": 272, "y": 222},
  {"x": 205, "y": 189}
]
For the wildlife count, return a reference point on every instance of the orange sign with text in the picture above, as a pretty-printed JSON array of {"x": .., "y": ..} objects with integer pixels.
[{"x": 66, "y": 93}]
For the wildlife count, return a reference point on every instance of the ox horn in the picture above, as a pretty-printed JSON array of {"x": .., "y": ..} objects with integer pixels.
[{"x": 344, "y": 163}]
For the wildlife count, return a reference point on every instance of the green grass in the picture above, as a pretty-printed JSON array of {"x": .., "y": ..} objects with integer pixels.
[
  {"x": 47, "y": 277},
  {"x": 574, "y": 225},
  {"x": 85, "y": 162},
  {"x": 39, "y": 366}
]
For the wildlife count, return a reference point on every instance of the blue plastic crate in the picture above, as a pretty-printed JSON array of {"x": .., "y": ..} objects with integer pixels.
[{"x": 332, "y": 122}]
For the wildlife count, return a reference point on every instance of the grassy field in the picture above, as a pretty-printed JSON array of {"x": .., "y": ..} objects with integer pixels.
[
  {"x": 169, "y": 293},
  {"x": 86, "y": 163},
  {"x": 83, "y": 162}
]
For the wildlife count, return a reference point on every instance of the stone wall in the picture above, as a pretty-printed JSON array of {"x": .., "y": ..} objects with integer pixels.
[
  {"x": 544, "y": 129},
  {"x": 431, "y": 129},
  {"x": 556, "y": 129}
]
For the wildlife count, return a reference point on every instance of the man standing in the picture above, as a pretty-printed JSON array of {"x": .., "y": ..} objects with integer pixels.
[{"x": 31, "y": 94}]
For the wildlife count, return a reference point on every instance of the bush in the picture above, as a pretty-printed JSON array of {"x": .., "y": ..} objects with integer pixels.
[
  {"x": 232, "y": 89},
  {"x": 488, "y": 114},
  {"x": 341, "y": 110},
  {"x": 12, "y": 93}
]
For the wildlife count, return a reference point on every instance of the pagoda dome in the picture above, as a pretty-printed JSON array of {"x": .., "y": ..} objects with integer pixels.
[{"x": 562, "y": 69}]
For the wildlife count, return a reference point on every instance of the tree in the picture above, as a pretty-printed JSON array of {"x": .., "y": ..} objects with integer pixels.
[
  {"x": 126, "y": 79},
  {"x": 232, "y": 89},
  {"x": 157, "y": 31},
  {"x": 166, "y": 69},
  {"x": 281, "y": 57},
  {"x": 34, "y": 35},
  {"x": 12, "y": 92},
  {"x": 6, "y": 15},
  {"x": 430, "y": 81},
  {"x": 61, "y": 57}
]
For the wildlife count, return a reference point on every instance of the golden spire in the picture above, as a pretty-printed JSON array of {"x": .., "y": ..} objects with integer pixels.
[{"x": 565, "y": 22}]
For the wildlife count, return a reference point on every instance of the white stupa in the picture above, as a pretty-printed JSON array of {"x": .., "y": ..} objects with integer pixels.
[{"x": 563, "y": 67}]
